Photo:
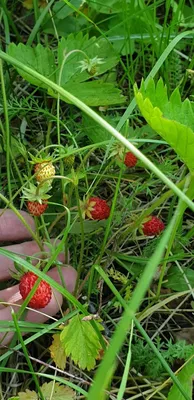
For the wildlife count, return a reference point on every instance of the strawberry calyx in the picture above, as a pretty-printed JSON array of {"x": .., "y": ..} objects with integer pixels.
[
  {"x": 37, "y": 193},
  {"x": 44, "y": 158}
]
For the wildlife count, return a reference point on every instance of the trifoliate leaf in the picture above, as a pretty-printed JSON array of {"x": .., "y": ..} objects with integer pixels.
[
  {"x": 170, "y": 118},
  {"x": 39, "y": 58},
  {"x": 59, "y": 392},
  {"x": 57, "y": 352},
  {"x": 50, "y": 391},
  {"x": 81, "y": 343},
  {"x": 185, "y": 377}
]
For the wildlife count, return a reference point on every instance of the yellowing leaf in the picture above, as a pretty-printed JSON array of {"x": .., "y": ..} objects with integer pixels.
[
  {"x": 57, "y": 352},
  {"x": 28, "y": 395},
  {"x": 81, "y": 343},
  {"x": 55, "y": 391},
  {"x": 50, "y": 391},
  {"x": 185, "y": 377}
]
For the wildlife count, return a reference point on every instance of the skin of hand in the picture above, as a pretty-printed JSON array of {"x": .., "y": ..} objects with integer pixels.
[{"x": 12, "y": 230}]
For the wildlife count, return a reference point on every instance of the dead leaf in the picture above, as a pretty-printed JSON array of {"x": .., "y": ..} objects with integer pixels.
[{"x": 58, "y": 352}]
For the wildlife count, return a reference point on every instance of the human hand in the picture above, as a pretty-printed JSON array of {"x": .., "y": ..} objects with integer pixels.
[{"x": 12, "y": 230}]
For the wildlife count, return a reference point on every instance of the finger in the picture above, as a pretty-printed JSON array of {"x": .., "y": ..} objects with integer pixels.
[
  {"x": 36, "y": 316},
  {"x": 24, "y": 249},
  {"x": 11, "y": 228}
]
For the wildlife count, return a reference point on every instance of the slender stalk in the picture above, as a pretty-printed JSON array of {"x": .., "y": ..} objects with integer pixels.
[
  {"x": 180, "y": 212},
  {"x": 7, "y": 138},
  {"x": 26, "y": 354},
  {"x": 79, "y": 268}
]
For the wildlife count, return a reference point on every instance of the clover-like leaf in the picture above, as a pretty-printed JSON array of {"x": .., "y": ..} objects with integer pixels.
[
  {"x": 170, "y": 118},
  {"x": 57, "y": 352},
  {"x": 81, "y": 343}
]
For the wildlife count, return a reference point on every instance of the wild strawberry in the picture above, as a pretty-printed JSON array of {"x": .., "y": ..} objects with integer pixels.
[
  {"x": 43, "y": 293},
  {"x": 153, "y": 226},
  {"x": 44, "y": 170},
  {"x": 130, "y": 160},
  {"x": 69, "y": 161},
  {"x": 96, "y": 208},
  {"x": 36, "y": 209},
  {"x": 37, "y": 198}
]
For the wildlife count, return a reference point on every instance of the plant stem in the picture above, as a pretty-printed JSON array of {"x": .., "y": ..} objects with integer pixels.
[
  {"x": 7, "y": 138},
  {"x": 79, "y": 268},
  {"x": 180, "y": 212}
]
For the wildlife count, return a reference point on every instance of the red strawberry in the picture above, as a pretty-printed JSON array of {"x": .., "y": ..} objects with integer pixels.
[
  {"x": 130, "y": 160},
  {"x": 97, "y": 208},
  {"x": 36, "y": 209},
  {"x": 153, "y": 226},
  {"x": 37, "y": 198},
  {"x": 43, "y": 294}
]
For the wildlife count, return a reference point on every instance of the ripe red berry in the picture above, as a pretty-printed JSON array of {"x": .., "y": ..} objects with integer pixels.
[
  {"x": 153, "y": 226},
  {"x": 130, "y": 160},
  {"x": 37, "y": 209},
  {"x": 42, "y": 295},
  {"x": 97, "y": 208}
]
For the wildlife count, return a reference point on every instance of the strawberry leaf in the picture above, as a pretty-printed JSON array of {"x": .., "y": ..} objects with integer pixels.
[
  {"x": 170, "y": 118},
  {"x": 185, "y": 377},
  {"x": 28, "y": 395},
  {"x": 81, "y": 343},
  {"x": 94, "y": 93},
  {"x": 57, "y": 352},
  {"x": 59, "y": 392},
  {"x": 92, "y": 47},
  {"x": 39, "y": 58}
]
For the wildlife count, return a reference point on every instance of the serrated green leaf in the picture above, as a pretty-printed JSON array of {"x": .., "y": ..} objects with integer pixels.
[
  {"x": 94, "y": 94},
  {"x": 39, "y": 58},
  {"x": 172, "y": 119},
  {"x": 92, "y": 47},
  {"x": 176, "y": 280},
  {"x": 81, "y": 342},
  {"x": 59, "y": 392},
  {"x": 185, "y": 377}
]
